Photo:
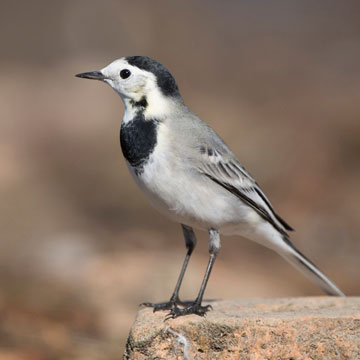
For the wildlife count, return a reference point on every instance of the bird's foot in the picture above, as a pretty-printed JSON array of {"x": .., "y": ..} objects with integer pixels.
[
  {"x": 168, "y": 305},
  {"x": 194, "y": 308}
]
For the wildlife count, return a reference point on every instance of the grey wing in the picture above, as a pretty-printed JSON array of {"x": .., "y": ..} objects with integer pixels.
[
  {"x": 220, "y": 165},
  {"x": 213, "y": 158}
]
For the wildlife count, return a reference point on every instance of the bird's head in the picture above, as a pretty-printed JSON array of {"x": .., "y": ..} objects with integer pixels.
[{"x": 139, "y": 80}]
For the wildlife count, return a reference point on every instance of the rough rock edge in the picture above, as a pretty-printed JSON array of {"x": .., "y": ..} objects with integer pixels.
[{"x": 312, "y": 326}]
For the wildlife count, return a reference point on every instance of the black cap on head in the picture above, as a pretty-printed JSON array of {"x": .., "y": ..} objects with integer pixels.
[{"x": 165, "y": 80}]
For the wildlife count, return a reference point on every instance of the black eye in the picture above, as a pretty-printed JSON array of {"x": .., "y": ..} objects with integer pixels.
[{"x": 124, "y": 74}]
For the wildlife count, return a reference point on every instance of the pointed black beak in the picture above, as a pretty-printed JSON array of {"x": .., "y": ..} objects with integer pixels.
[{"x": 94, "y": 75}]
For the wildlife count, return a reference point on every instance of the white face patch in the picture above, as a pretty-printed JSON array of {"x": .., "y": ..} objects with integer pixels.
[
  {"x": 141, "y": 84},
  {"x": 132, "y": 87}
]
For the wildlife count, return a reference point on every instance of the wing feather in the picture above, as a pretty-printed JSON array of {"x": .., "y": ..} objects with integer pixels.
[{"x": 227, "y": 172}]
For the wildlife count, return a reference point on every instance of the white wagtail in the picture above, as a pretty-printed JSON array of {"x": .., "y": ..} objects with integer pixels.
[{"x": 190, "y": 175}]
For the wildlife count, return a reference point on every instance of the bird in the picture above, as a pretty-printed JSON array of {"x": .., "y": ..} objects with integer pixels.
[{"x": 191, "y": 176}]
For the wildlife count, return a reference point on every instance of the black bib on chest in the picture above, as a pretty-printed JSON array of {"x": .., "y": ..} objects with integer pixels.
[{"x": 138, "y": 138}]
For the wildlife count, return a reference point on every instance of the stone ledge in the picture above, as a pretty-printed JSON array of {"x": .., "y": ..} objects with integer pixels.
[{"x": 284, "y": 328}]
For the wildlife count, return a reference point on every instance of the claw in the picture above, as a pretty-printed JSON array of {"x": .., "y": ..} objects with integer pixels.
[
  {"x": 187, "y": 308},
  {"x": 195, "y": 309},
  {"x": 169, "y": 305},
  {"x": 161, "y": 306}
]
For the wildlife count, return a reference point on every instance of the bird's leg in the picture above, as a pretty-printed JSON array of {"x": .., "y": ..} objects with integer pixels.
[
  {"x": 196, "y": 307},
  {"x": 190, "y": 242}
]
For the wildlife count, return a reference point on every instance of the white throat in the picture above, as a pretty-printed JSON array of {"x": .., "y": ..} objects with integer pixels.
[{"x": 157, "y": 106}]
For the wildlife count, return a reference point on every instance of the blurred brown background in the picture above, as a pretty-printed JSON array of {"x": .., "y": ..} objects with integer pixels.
[{"x": 80, "y": 246}]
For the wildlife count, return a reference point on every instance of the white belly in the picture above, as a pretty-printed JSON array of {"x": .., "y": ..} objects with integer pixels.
[{"x": 186, "y": 196}]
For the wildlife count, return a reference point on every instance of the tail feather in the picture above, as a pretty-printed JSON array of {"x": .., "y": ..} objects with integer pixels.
[{"x": 297, "y": 259}]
